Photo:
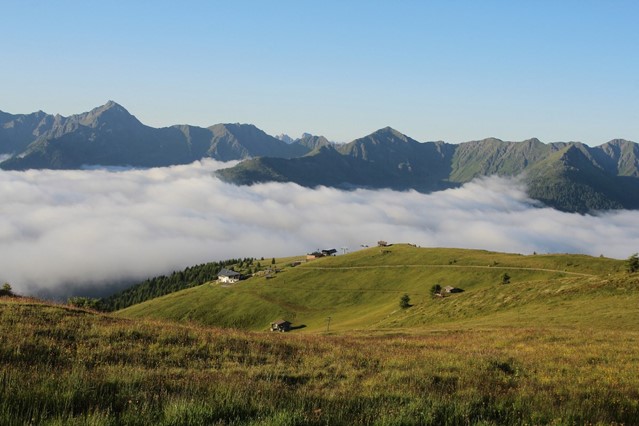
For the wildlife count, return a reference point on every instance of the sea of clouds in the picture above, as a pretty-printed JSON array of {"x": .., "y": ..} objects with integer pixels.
[{"x": 79, "y": 232}]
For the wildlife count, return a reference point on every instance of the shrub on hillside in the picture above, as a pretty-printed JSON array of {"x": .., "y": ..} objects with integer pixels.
[
  {"x": 404, "y": 301},
  {"x": 6, "y": 290},
  {"x": 632, "y": 264},
  {"x": 84, "y": 302}
]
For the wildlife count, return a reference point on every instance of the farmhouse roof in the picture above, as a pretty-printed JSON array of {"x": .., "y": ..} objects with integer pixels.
[{"x": 227, "y": 273}]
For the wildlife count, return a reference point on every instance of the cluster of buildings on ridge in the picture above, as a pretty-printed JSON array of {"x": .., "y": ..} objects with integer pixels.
[
  {"x": 320, "y": 253},
  {"x": 229, "y": 276}
]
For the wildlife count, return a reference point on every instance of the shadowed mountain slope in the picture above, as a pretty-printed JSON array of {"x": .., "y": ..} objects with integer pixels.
[
  {"x": 384, "y": 159},
  {"x": 567, "y": 176}
]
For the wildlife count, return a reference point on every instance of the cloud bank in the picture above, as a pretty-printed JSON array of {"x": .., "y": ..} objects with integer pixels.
[{"x": 64, "y": 229}]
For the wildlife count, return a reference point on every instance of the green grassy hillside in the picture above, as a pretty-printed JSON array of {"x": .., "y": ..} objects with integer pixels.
[
  {"x": 165, "y": 284},
  {"x": 65, "y": 366},
  {"x": 557, "y": 345},
  {"x": 361, "y": 291}
]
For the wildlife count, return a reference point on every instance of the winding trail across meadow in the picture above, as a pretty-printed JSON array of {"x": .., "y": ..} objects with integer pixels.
[{"x": 449, "y": 266}]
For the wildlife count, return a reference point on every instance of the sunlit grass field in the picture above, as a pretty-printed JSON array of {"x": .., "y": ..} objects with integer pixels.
[
  {"x": 64, "y": 366},
  {"x": 361, "y": 291},
  {"x": 558, "y": 345}
]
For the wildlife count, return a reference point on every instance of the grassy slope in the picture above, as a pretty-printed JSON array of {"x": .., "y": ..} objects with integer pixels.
[
  {"x": 550, "y": 348},
  {"x": 62, "y": 366},
  {"x": 361, "y": 291}
]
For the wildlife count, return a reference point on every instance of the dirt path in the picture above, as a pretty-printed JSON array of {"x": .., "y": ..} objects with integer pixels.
[{"x": 450, "y": 266}]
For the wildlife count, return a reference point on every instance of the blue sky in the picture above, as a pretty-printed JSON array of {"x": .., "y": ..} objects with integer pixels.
[{"x": 448, "y": 70}]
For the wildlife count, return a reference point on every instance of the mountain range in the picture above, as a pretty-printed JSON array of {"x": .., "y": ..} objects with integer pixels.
[
  {"x": 110, "y": 136},
  {"x": 569, "y": 176}
]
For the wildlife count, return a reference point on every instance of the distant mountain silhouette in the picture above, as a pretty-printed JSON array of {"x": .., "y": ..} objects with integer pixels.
[
  {"x": 110, "y": 135},
  {"x": 569, "y": 176}
]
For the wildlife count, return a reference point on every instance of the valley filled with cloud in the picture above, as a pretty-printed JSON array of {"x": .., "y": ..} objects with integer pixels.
[{"x": 62, "y": 231}]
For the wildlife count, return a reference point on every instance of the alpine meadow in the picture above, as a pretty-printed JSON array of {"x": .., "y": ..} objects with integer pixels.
[
  {"x": 319, "y": 213},
  {"x": 538, "y": 349}
]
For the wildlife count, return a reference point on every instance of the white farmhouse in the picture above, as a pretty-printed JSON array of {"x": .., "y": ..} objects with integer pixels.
[{"x": 228, "y": 276}]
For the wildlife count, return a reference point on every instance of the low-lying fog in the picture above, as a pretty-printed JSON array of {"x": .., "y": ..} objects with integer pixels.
[{"x": 60, "y": 230}]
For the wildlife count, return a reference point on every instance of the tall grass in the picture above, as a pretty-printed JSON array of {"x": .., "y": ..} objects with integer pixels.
[{"x": 63, "y": 366}]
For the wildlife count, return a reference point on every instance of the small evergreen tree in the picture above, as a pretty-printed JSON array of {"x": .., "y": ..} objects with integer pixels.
[
  {"x": 632, "y": 264},
  {"x": 273, "y": 261},
  {"x": 404, "y": 301},
  {"x": 6, "y": 290},
  {"x": 505, "y": 278}
]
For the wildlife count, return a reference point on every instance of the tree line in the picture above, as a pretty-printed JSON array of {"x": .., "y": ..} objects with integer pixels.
[{"x": 163, "y": 284}]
